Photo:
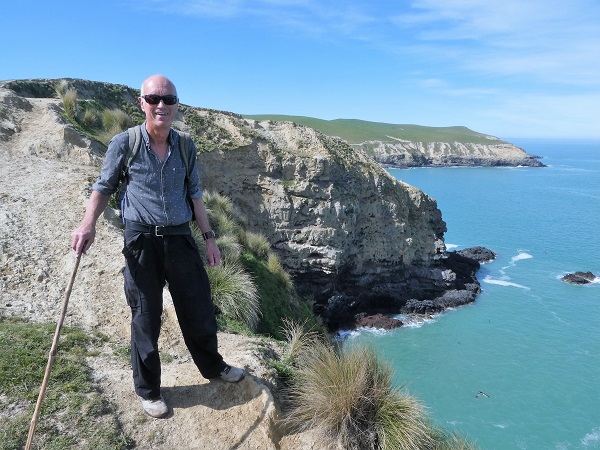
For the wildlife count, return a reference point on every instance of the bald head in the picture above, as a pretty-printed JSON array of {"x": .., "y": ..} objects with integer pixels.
[
  {"x": 157, "y": 82},
  {"x": 159, "y": 102}
]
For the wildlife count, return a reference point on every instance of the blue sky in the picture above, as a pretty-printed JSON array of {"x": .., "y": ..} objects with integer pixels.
[{"x": 510, "y": 68}]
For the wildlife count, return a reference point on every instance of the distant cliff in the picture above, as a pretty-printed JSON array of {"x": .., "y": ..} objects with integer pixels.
[
  {"x": 405, "y": 154},
  {"x": 404, "y": 146}
]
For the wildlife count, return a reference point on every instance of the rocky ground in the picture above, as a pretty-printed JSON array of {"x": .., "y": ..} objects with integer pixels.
[{"x": 42, "y": 198}]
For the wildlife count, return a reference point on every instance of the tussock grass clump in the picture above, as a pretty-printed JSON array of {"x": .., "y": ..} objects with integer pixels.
[
  {"x": 346, "y": 397},
  {"x": 61, "y": 87},
  {"x": 90, "y": 119},
  {"x": 114, "y": 121},
  {"x": 218, "y": 204},
  {"x": 235, "y": 293},
  {"x": 274, "y": 264},
  {"x": 231, "y": 249},
  {"x": 252, "y": 293},
  {"x": 68, "y": 97},
  {"x": 299, "y": 339},
  {"x": 256, "y": 243}
]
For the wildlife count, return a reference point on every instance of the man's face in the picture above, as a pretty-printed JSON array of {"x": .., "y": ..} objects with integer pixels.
[{"x": 159, "y": 115}]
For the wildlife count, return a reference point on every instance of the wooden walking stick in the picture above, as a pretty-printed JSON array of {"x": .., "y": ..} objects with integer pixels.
[{"x": 38, "y": 406}]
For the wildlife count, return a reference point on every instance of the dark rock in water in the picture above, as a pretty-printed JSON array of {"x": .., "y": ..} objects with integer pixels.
[
  {"x": 579, "y": 277},
  {"x": 377, "y": 321},
  {"x": 414, "y": 306},
  {"x": 479, "y": 254}
]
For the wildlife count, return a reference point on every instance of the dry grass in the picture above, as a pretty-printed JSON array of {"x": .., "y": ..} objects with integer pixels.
[
  {"x": 298, "y": 339},
  {"x": 235, "y": 293},
  {"x": 347, "y": 398},
  {"x": 256, "y": 243},
  {"x": 274, "y": 264}
]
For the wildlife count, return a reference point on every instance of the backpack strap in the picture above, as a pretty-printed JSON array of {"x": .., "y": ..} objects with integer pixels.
[
  {"x": 135, "y": 142},
  {"x": 185, "y": 140}
]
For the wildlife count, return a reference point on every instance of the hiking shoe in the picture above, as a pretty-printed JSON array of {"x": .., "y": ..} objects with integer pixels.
[
  {"x": 232, "y": 374},
  {"x": 155, "y": 408}
]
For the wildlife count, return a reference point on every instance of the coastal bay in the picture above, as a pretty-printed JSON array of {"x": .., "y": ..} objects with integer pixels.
[{"x": 529, "y": 341}]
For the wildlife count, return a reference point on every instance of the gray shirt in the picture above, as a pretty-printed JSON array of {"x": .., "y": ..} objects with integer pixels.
[{"x": 156, "y": 191}]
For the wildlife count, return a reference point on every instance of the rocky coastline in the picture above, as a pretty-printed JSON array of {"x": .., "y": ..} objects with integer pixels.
[
  {"x": 408, "y": 154},
  {"x": 455, "y": 285}
]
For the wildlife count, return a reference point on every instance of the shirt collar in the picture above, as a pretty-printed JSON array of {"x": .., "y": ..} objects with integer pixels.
[{"x": 146, "y": 137}]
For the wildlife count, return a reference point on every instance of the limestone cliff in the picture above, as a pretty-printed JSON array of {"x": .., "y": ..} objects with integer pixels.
[
  {"x": 346, "y": 229},
  {"x": 403, "y": 154}
]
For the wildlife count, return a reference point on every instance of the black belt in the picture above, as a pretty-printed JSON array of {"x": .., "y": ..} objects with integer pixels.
[{"x": 184, "y": 228}]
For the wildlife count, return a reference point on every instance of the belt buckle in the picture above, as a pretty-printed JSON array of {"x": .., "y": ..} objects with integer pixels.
[{"x": 156, "y": 231}]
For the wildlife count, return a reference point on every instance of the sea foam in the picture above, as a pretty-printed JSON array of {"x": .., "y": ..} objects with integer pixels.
[
  {"x": 520, "y": 256},
  {"x": 491, "y": 280},
  {"x": 592, "y": 439}
]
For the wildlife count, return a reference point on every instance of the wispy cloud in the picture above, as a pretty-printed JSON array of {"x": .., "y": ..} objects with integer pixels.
[
  {"x": 555, "y": 41},
  {"x": 309, "y": 16},
  {"x": 551, "y": 40}
]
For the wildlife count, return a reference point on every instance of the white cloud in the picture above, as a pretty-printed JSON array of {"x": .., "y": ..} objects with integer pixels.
[{"x": 553, "y": 41}]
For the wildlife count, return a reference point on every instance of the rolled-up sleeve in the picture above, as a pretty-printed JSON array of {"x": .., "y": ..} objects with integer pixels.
[{"x": 108, "y": 181}]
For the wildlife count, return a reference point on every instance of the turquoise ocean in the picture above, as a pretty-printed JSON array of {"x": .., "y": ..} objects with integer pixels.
[{"x": 530, "y": 341}]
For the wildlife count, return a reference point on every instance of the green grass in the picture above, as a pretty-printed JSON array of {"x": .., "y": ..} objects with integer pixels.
[
  {"x": 277, "y": 300},
  {"x": 357, "y": 131},
  {"x": 73, "y": 413}
]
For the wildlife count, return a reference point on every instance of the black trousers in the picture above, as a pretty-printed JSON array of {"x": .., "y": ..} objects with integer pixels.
[{"x": 151, "y": 262}]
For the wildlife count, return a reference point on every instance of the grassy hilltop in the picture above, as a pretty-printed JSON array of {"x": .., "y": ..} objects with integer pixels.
[{"x": 357, "y": 131}]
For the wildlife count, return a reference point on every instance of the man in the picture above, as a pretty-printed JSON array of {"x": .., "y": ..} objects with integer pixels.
[{"x": 158, "y": 245}]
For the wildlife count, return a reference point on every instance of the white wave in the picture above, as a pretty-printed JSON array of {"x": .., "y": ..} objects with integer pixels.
[
  {"x": 372, "y": 330},
  {"x": 592, "y": 439},
  {"x": 451, "y": 246},
  {"x": 501, "y": 425},
  {"x": 417, "y": 320},
  {"x": 341, "y": 335},
  {"x": 520, "y": 256},
  {"x": 491, "y": 280}
]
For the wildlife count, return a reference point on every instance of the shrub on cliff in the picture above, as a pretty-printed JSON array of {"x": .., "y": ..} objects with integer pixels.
[
  {"x": 347, "y": 398},
  {"x": 251, "y": 289}
]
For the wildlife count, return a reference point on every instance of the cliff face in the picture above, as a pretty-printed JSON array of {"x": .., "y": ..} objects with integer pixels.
[
  {"x": 403, "y": 154},
  {"x": 342, "y": 225}
]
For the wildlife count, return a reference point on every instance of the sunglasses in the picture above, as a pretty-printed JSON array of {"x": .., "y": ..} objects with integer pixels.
[{"x": 153, "y": 99}]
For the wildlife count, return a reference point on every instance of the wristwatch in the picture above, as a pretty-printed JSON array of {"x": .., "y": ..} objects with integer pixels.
[{"x": 208, "y": 235}]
